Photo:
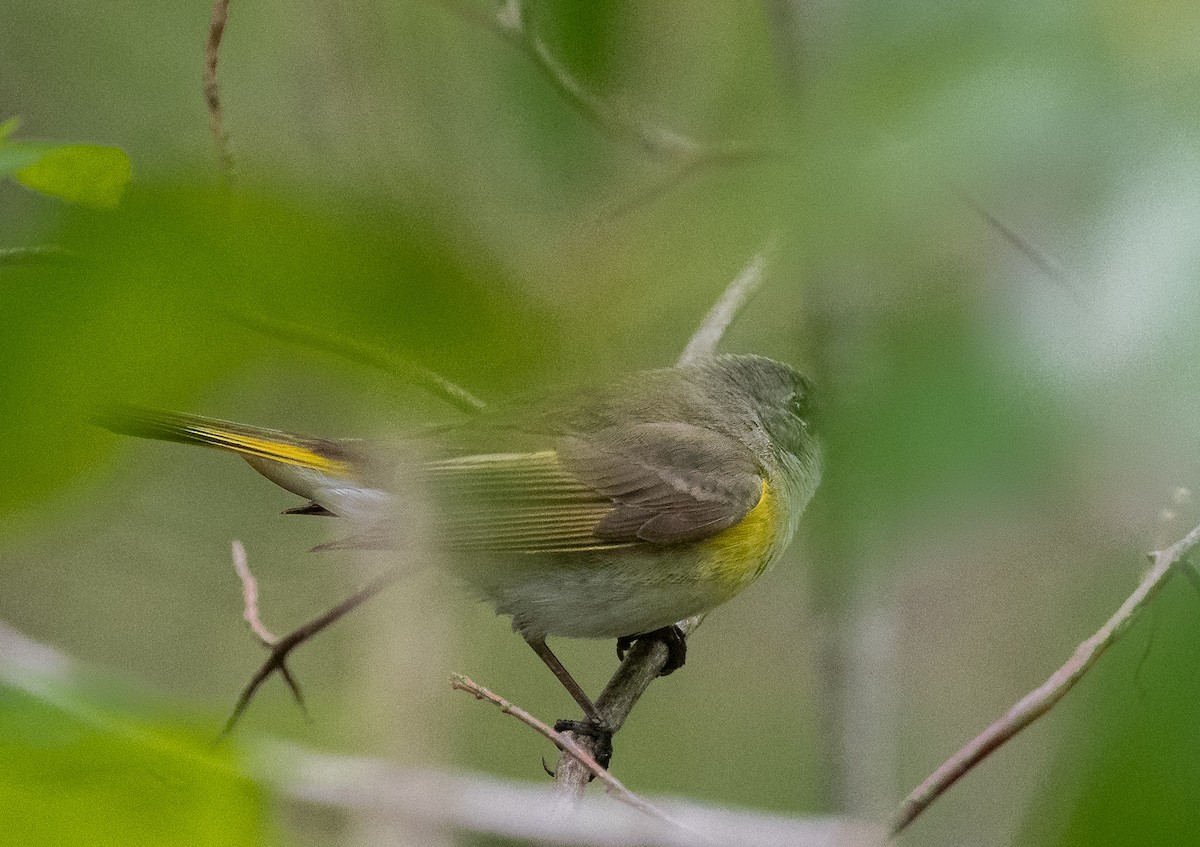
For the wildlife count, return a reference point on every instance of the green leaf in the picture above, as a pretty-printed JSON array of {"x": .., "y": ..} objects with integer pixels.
[
  {"x": 87, "y": 174},
  {"x": 8, "y": 128}
]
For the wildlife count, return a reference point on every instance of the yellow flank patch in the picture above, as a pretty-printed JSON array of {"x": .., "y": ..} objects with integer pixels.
[
  {"x": 740, "y": 553},
  {"x": 279, "y": 451}
]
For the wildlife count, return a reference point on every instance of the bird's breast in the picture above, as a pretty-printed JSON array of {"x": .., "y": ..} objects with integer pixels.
[{"x": 738, "y": 555}]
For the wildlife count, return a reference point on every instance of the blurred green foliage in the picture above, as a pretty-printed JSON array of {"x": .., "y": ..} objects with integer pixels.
[
  {"x": 85, "y": 767},
  {"x": 1001, "y": 445}
]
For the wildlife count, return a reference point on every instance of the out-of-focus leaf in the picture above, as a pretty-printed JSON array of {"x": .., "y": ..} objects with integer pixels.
[
  {"x": 78, "y": 772},
  {"x": 144, "y": 313},
  {"x": 14, "y": 157},
  {"x": 8, "y": 128},
  {"x": 87, "y": 174}
]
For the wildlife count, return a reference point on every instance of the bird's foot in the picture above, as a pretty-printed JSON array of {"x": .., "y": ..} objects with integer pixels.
[
  {"x": 601, "y": 734},
  {"x": 672, "y": 636}
]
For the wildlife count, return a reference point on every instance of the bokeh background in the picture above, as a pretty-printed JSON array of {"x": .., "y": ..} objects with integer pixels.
[{"x": 1009, "y": 426}]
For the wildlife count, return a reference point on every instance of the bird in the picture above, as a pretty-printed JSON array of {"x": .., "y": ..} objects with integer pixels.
[{"x": 610, "y": 511}]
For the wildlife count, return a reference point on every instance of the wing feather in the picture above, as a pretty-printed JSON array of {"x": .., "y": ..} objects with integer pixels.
[{"x": 622, "y": 486}]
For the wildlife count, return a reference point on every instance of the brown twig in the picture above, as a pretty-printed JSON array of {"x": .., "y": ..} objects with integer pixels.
[
  {"x": 564, "y": 742},
  {"x": 1043, "y": 698},
  {"x": 212, "y": 93},
  {"x": 280, "y": 648}
]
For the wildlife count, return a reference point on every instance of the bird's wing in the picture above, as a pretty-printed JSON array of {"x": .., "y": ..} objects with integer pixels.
[{"x": 649, "y": 483}]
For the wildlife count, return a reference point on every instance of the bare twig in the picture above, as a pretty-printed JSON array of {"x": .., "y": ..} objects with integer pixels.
[
  {"x": 513, "y": 22},
  {"x": 212, "y": 94},
  {"x": 1043, "y": 698},
  {"x": 250, "y": 596},
  {"x": 281, "y": 648},
  {"x": 1024, "y": 246},
  {"x": 641, "y": 667},
  {"x": 564, "y": 742},
  {"x": 365, "y": 354}
]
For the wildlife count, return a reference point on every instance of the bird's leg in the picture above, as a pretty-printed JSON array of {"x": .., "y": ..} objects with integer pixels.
[
  {"x": 671, "y": 636},
  {"x": 595, "y": 726}
]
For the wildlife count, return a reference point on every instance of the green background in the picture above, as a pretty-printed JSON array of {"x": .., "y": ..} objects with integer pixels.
[{"x": 1003, "y": 441}]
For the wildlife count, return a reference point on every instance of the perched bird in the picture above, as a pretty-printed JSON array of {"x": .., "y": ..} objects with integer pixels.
[{"x": 612, "y": 512}]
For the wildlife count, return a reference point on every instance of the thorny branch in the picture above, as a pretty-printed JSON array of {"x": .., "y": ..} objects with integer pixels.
[
  {"x": 1043, "y": 698},
  {"x": 281, "y": 648},
  {"x": 212, "y": 93}
]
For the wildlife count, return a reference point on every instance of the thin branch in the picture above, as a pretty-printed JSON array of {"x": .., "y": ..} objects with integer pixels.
[
  {"x": 641, "y": 667},
  {"x": 250, "y": 596},
  {"x": 513, "y": 22},
  {"x": 709, "y": 334},
  {"x": 732, "y": 153},
  {"x": 1043, "y": 698},
  {"x": 568, "y": 745},
  {"x": 1024, "y": 246},
  {"x": 366, "y": 354},
  {"x": 212, "y": 93},
  {"x": 281, "y": 648}
]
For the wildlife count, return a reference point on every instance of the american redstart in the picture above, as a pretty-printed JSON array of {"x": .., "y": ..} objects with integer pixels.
[{"x": 612, "y": 512}]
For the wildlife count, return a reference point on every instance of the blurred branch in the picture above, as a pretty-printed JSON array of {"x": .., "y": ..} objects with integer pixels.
[
  {"x": 560, "y": 740},
  {"x": 1043, "y": 698},
  {"x": 512, "y": 21},
  {"x": 212, "y": 94},
  {"x": 281, "y": 648},
  {"x": 706, "y": 337},
  {"x": 484, "y": 805},
  {"x": 1024, "y": 246},
  {"x": 15, "y": 257},
  {"x": 526, "y": 813},
  {"x": 365, "y": 354}
]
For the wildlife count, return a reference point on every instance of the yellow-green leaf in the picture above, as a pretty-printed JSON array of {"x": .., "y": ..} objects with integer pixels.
[{"x": 87, "y": 174}]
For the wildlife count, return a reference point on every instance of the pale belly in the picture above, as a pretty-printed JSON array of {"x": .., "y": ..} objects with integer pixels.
[
  {"x": 626, "y": 591},
  {"x": 609, "y": 593}
]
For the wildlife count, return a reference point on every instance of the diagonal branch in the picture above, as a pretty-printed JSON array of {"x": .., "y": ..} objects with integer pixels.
[
  {"x": 1043, "y": 698},
  {"x": 364, "y": 354},
  {"x": 512, "y": 22},
  {"x": 565, "y": 743},
  {"x": 281, "y": 647}
]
